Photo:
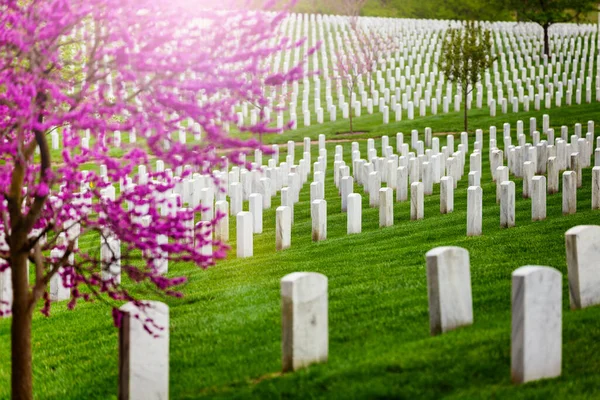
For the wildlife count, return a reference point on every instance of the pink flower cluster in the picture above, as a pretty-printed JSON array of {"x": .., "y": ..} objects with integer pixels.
[{"x": 88, "y": 69}]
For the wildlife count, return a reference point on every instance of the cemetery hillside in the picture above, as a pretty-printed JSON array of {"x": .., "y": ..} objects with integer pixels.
[{"x": 346, "y": 199}]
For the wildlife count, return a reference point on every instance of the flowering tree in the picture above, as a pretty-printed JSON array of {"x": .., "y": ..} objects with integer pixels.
[
  {"x": 363, "y": 48},
  {"x": 352, "y": 7},
  {"x": 97, "y": 69}
]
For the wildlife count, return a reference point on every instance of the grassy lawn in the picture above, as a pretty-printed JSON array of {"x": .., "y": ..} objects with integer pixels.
[{"x": 226, "y": 331}]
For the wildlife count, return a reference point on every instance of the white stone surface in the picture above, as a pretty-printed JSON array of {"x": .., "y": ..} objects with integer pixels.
[
  {"x": 222, "y": 225},
  {"x": 305, "y": 324},
  {"x": 528, "y": 173},
  {"x": 507, "y": 204},
  {"x": 475, "y": 162},
  {"x": 110, "y": 254},
  {"x": 576, "y": 166},
  {"x": 402, "y": 184},
  {"x": 374, "y": 182},
  {"x": 319, "y": 220},
  {"x": 6, "y": 293},
  {"x": 283, "y": 228},
  {"x": 417, "y": 201},
  {"x": 595, "y": 188},
  {"x": 386, "y": 207},
  {"x": 569, "y": 193},
  {"x": 266, "y": 190},
  {"x": 255, "y": 204},
  {"x": 207, "y": 197},
  {"x": 446, "y": 195},
  {"x": 413, "y": 170},
  {"x": 287, "y": 199},
  {"x": 536, "y": 339},
  {"x": 317, "y": 191},
  {"x": 58, "y": 292},
  {"x": 347, "y": 187},
  {"x": 235, "y": 195},
  {"x": 495, "y": 162},
  {"x": 354, "y": 221},
  {"x": 474, "y": 210},
  {"x": 474, "y": 178},
  {"x": 144, "y": 357},
  {"x": 501, "y": 176},
  {"x": 244, "y": 239},
  {"x": 449, "y": 289},
  {"x": 427, "y": 171},
  {"x": 538, "y": 198},
  {"x": 583, "y": 262},
  {"x": 553, "y": 168}
]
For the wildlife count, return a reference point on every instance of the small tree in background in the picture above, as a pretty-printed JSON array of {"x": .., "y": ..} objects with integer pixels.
[
  {"x": 363, "y": 48},
  {"x": 351, "y": 7},
  {"x": 549, "y": 12},
  {"x": 466, "y": 54}
]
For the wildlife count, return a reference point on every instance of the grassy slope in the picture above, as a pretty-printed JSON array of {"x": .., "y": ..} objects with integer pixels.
[
  {"x": 225, "y": 333},
  {"x": 468, "y": 9}
]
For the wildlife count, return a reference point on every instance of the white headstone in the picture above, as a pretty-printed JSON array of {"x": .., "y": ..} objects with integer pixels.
[
  {"x": 474, "y": 178},
  {"x": 507, "y": 204},
  {"x": 283, "y": 229},
  {"x": 144, "y": 357},
  {"x": 576, "y": 167},
  {"x": 569, "y": 193},
  {"x": 538, "y": 198},
  {"x": 427, "y": 178},
  {"x": 583, "y": 255},
  {"x": 386, "y": 207},
  {"x": 110, "y": 253},
  {"x": 417, "y": 201},
  {"x": 595, "y": 188},
  {"x": 354, "y": 222},
  {"x": 319, "y": 220},
  {"x": 6, "y": 294},
  {"x": 266, "y": 190},
  {"x": 287, "y": 199},
  {"x": 235, "y": 194},
  {"x": 474, "y": 210},
  {"x": 501, "y": 176},
  {"x": 402, "y": 184},
  {"x": 222, "y": 225},
  {"x": 244, "y": 239},
  {"x": 374, "y": 182},
  {"x": 347, "y": 187},
  {"x": 528, "y": 173},
  {"x": 58, "y": 291},
  {"x": 536, "y": 339},
  {"x": 449, "y": 289},
  {"x": 255, "y": 205},
  {"x": 305, "y": 324},
  {"x": 446, "y": 195},
  {"x": 553, "y": 168}
]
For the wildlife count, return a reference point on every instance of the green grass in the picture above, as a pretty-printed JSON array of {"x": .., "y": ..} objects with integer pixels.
[
  {"x": 226, "y": 331},
  {"x": 371, "y": 126}
]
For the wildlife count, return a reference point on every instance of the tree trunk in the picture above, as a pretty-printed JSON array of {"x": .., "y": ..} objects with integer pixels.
[
  {"x": 22, "y": 308},
  {"x": 22, "y": 382},
  {"x": 350, "y": 118},
  {"x": 465, "y": 95},
  {"x": 350, "y": 106},
  {"x": 546, "y": 40}
]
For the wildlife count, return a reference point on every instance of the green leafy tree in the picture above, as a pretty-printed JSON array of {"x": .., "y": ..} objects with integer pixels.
[
  {"x": 549, "y": 12},
  {"x": 466, "y": 54},
  {"x": 487, "y": 10}
]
